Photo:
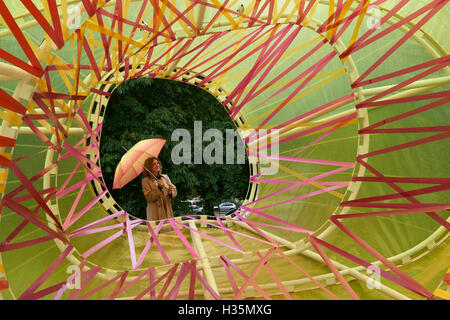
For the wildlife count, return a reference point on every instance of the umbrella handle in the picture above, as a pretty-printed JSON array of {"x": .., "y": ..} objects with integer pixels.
[{"x": 144, "y": 167}]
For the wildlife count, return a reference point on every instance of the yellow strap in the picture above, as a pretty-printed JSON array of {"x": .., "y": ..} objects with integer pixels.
[
  {"x": 11, "y": 116},
  {"x": 357, "y": 27},
  {"x": 111, "y": 33},
  {"x": 7, "y": 155},
  {"x": 190, "y": 13},
  {"x": 331, "y": 10},
  {"x": 226, "y": 14},
  {"x": 345, "y": 8},
  {"x": 3, "y": 175},
  {"x": 65, "y": 73},
  {"x": 282, "y": 10}
]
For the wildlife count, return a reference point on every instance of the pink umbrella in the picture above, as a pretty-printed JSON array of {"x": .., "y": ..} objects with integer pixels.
[{"x": 132, "y": 162}]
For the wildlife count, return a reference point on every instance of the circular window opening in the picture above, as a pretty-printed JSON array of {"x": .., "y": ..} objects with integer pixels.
[{"x": 203, "y": 154}]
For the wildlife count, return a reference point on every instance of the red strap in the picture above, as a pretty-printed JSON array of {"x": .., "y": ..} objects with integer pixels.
[{"x": 17, "y": 32}]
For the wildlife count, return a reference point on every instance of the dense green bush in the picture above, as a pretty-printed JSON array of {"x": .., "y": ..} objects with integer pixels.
[{"x": 146, "y": 108}]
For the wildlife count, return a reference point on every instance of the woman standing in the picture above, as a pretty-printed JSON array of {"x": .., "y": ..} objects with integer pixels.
[{"x": 158, "y": 190}]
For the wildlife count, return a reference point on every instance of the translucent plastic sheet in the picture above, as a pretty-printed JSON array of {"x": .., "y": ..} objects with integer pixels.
[{"x": 360, "y": 155}]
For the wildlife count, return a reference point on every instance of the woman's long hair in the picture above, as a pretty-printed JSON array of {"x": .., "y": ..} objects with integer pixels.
[{"x": 148, "y": 165}]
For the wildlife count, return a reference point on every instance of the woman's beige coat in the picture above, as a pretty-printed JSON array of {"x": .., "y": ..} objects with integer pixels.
[{"x": 159, "y": 205}]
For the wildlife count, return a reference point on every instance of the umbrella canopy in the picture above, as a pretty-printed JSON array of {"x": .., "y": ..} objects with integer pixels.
[
  {"x": 132, "y": 162},
  {"x": 356, "y": 89}
]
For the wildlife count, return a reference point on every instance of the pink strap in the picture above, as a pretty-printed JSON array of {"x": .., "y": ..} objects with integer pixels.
[
  {"x": 265, "y": 215},
  {"x": 406, "y": 281},
  {"x": 167, "y": 25},
  {"x": 172, "y": 295},
  {"x": 32, "y": 190},
  {"x": 153, "y": 283},
  {"x": 135, "y": 280},
  {"x": 230, "y": 276},
  {"x": 72, "y": 209},
  {"x": 250, "y": 224},
  {"x": 274, "y": 54},
  {"x": 435, "y": 7},
  {"x": 31, "y": 290},
  {"x": 92, "y": 61},
  {"x": 411, "y": 208},
  {"x": 356, "y": 13},
  {"x": 130, "y": 241},
  {"x": 327, "y": 133},
  {"x": 249, "y": 279},
  {"x": 218, "y": 70},
  {"x": 118, "y": 287},
  {"x": 219, "y": 220},
  {"x": 275, "y": 278},
  {"x": 267, "y": 54},
  {"x": 213, "y": 20},
  {"x": 357, "y": 45},
  {"x": 193, "y": 267},
  {"x": 433, "y": 215},
  {"x": 317, "y": 128},
  {"x": 80, "y": 231},
  {"x": 230, "y": 230},
  {"x": 106, "y": 284},
  {"x": 105, "y": 242},
  {"x": 102, "y": 244},
  {"x": 397, "y": 195},
  {"x": 310, "y": 73},
  {"x": 438, "y": 61},
  {"x": 404, "y": 83},
  {"x": 254, "y": 223},
  {"x": 64, "y": 191},
  {"x": 208, "y": 60},
  {"x": 333, "y": 268},
  {"x": 167, "y": 283},
  {"x": 88, "y": 275},
  {"x": 85, "y": 209},
  {"x": 307, "y": 275},
  {"x": 206, "y": 285},
  {"x": 27, "y": 214},
  {"x": 297, "y": 184},
  {"x": 200, "y": 49},
  {"x": 337, "y": 185},
  {"x": 82, "y": 159},
  {"x": 155, "y": 238}
]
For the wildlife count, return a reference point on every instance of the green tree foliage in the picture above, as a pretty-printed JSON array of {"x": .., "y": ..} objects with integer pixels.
[{"x": 146, "y": 108}]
